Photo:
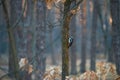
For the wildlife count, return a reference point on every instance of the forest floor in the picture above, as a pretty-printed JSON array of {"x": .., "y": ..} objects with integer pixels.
[{"x": 105, "y": 71}]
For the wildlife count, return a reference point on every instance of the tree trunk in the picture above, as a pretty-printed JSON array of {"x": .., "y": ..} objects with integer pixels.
[
  {"x": 15, "y": 14},
  {"x": 33, "y": 24},
  {"x": 110, "y": 54},
  {"x": 65, "y": 36},
  {"x": 73, "y": 47},
  {"x": 93, "y": 38},
  {"x": 40, "y": 39},
  {"x": 115, "y": 13},
  {"x": 13, "y": 61},
  {"x": 65, "y": 51},
  {"x": 28, "y": 30},
  {"x": 84, "y": 39}
]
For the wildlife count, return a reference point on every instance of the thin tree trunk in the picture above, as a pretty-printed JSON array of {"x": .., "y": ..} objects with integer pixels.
[
  {"x": 13, "y": 68},
  {"x": 93, "y": 38},
  {"x": 110, "y": 54},
  {"x": 40, "y": 39},
  {"x": 84, "y": 39},
  {"x": 115, "y": 12},
  {"x": 29, "y": 30},
  {"x": 33, "y": 24},
  {"x": 73, "y": 47}
]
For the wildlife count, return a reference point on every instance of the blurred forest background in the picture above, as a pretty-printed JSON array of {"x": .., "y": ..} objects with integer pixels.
[{"x": 34, "y": 39}]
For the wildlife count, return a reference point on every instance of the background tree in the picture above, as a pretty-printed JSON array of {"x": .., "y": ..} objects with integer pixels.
[
  {"x": 84, "y": 37},
  {"x": 3, "y": 34},
  {"x": 27, "y": 28},
  {"x": 115, "y": 13},
  {"x": 51, "y": 25},
  {"x": 40, "y": 39},
  {"x": 13, "y": 66},
  {"x": 93, "y": 37},
  {"x": 73, "y": 49}
]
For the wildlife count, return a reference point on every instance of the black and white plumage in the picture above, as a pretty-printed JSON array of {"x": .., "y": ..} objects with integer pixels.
[{"x": 70, "y": 40}]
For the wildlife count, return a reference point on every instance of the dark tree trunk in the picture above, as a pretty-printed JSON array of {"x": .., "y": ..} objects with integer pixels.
[
  {"x": 15, "y": 14},
  {"x": 110, "y": 54},
  {"x": 83, "y": 46},
  {"x": 93, "y": 37},
  {"x": 40, "y": 39},
  {"x": 73, "y": 56},
  {"x": 65, "y": 51},
  {"x": 65, "y": 36},
  {"x": 115, "y": 13},
  {"x": 13, "y": 61},
  {"x": 28, "y": 34}
]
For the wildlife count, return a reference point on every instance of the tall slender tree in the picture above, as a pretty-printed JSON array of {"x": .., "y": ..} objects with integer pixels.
[
  {"x": 13, "y": 65},
  {"x": 68, "y": 12},
  {"x": 107, "y": 32},
  {"x": 27, "y": 23},
  {"x": 115, "y": 13},
  {"x": 65, "y": 36},
  {"x": 51, "y": 24},
  {"x": 15, "y": 20},
  {"x": 93, "y": 37},
  {"x": 83, "y": 32},
  {"x": 40, "y": 39},
  {"x": 73, "y": 49}
]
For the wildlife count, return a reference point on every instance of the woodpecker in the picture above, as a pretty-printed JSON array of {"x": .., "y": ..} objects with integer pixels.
[{"x": 70, "y": 40}]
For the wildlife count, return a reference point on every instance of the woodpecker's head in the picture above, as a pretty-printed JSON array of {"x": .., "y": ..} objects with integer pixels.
[{"x": 70, "y": 40}]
